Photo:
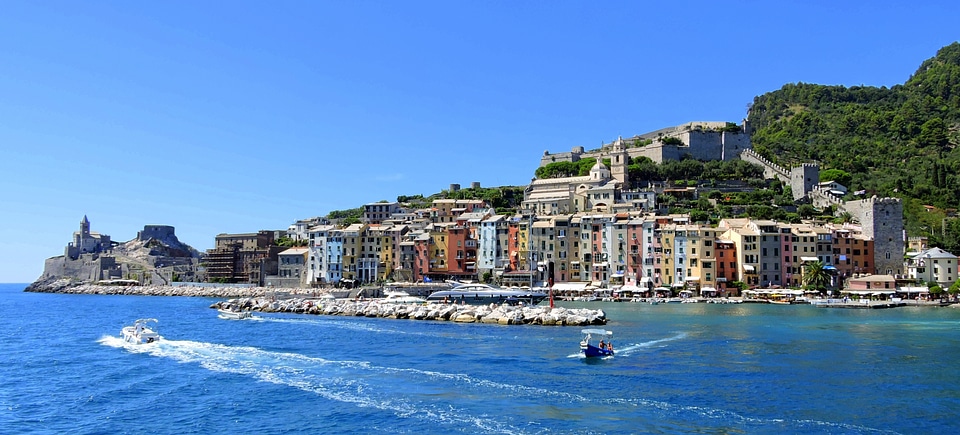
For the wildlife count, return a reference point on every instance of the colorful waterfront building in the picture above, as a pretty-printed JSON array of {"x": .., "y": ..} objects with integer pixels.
[{"x": 728, "y": 269}]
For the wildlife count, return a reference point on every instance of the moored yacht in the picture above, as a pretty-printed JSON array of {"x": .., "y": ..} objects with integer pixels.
[
  {"x": 479, "y": 294},
  {"x": 401, "y": 297}
]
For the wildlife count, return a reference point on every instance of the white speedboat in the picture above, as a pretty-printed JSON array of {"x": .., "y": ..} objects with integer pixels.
[
  {"x": 400, "y": 297},
  {"x": 140, "y": 333},
  {"x": 234, "y": 314}
]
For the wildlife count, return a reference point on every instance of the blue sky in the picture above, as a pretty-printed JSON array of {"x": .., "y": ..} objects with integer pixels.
[{"x": 238, "y": 116}]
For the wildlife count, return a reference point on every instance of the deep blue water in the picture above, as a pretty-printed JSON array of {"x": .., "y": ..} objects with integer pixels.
[{"x": 680, "y": 368}]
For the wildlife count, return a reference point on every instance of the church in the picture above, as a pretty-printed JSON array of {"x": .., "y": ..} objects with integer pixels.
[
  {"x": 595, "y": 192},
  {"x": 86, "y": 241}
]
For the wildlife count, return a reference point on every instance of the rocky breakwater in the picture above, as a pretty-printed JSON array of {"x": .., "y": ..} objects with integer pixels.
[{"x": 493, "y": 314}]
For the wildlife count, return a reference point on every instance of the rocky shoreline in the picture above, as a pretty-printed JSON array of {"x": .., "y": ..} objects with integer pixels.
[{"x": 309, "y": 301}]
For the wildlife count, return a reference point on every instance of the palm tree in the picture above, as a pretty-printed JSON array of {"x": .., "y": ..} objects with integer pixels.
[
  {"x": 844, "y": 218},
  {"x": 815, "y": 276}
]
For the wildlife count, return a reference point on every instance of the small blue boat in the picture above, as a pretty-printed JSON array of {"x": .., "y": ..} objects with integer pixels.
[{"x": 603, "y": 348}]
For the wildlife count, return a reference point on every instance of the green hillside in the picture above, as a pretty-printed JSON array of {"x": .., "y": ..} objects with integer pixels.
[{"x": 899, "y": 141}]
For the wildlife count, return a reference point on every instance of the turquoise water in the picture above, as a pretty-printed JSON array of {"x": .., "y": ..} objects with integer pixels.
[{"x": 680, "y": 368}]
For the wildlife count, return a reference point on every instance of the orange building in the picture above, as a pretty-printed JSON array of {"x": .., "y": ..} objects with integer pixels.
[{"x": 727, "y": 269}]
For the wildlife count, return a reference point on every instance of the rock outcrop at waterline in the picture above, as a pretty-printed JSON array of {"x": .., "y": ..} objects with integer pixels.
[{"x": 495, "y": 314}]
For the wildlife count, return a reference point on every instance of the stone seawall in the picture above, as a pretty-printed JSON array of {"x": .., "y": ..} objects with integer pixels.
[
  {"x": 494, "y": 314},
  {"x": 166, "y": 290}
]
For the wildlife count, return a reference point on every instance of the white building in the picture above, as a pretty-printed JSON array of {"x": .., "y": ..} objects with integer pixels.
[{"x": 933, "y": 265}]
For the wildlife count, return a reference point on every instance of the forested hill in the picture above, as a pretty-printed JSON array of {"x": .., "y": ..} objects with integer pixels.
[{"x": 899, "y": 141}]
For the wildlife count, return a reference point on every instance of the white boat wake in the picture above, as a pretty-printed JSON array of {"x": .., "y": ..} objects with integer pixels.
[
  {"x": 437, "y": 398},
  {"x": 633, "y": 348}
]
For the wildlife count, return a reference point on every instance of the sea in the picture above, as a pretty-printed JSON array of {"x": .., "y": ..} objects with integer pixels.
[{"x": 679, "y": 368}]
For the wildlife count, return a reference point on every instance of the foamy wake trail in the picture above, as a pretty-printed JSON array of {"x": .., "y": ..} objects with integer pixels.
[
  {"x": 356, "y": 382},
  {"x": 633, "y": 348},
  {"x": 437, "y": 398}
]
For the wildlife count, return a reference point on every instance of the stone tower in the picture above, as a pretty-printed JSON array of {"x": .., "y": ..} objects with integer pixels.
[
  {"x": 882, "y": 220},
  {"x": 84, "y": 227},
  {"x": 619, "y": 160},
  {"x": 803, "y": 178}
]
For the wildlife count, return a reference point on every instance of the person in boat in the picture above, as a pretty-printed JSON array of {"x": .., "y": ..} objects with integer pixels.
[
  {"x": 610, "y": 346},
  {"x": 602, "y": 346}
]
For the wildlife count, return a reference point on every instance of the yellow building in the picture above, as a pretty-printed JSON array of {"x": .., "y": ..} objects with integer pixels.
[
  {"x": 747, "y": 241},
  {"x": 352, "y": 243}
]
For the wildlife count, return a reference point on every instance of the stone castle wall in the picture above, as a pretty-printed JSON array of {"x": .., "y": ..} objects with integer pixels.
[
  {"x": 87, "y": 267},
  {"x": 823, "y": 198},
  {"x": 702, "y": 144},
  {"x": 161, "y": 232},
  {"x": 770, "y": 170}
]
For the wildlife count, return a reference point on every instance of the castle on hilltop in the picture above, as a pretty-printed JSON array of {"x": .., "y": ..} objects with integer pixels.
[
  {"x": 156, "y": 256},
  {"x": 701, "y": 140}
]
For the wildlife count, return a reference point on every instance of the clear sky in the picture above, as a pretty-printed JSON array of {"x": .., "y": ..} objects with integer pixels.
[{"x": 233, "y": 116}]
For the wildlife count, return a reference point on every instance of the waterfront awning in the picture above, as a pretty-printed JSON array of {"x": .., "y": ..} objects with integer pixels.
[
  {"x": 809, "y": 259},
  {"x": 748, "y": 268},
  {"x": 646, "y": 279},
  {"x": 570, "y": 286},
  {"x": 868, "y": 292}
]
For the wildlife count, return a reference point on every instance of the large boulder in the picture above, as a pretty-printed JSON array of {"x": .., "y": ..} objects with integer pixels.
[{"x": 465, "y": 317}]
